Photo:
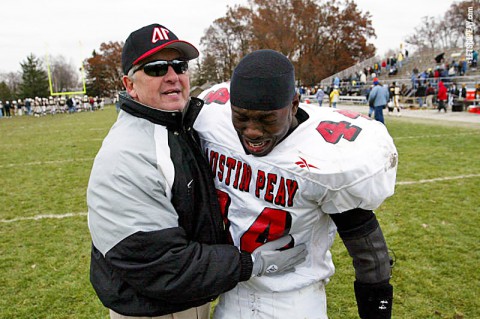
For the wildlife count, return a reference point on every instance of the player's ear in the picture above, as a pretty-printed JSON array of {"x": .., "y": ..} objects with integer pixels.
[{"x": 295, "y": 103}]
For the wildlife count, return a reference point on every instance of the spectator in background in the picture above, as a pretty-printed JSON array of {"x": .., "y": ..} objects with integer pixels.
[
  {"x": 423, "y": 77},
  {"x": 391, "y": 90},
  {"x": 15, "y": 108},
  {"x": 70, "y": 105},
  {"x": 334, "y": 97},
  {"x": 414, "y": 80},
  {"x": 20, "y": 107},
  {"x": 442, "y": 97},
  {"x": 444, "y": 75},
  {"x": 336, "y": 81},
  {"x": 28, "y": 105},
  {"x": 1, "y": 109},
  {"x": 430, "y": 92},
  {"x": 378, "y": 97},
  {"x": 399, "y": 60},
  {"x": 319, "y": 96},
  {"x": 371, "y": 106},
  {"x": 463, "y": 92},
  {"x": 363, "y": 78},
  {"x": 452, "y": 94},
  {"x": 7, "y": 106},
  {"x": 474, "y": 60},
  {"x": 396, "y": 97},
  {"x": 463, "y": 66},
  {"x": 117, "y": 103},
  {"x": 430, "y": 73},
  {"x": 420, "y": 94}
]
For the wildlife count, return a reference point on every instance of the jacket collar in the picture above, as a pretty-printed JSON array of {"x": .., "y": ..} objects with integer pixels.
[{"x": 173, "y": 120}]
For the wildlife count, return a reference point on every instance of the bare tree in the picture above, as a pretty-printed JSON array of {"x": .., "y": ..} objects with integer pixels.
[
  {"x": 457, "y": 18},
  {"x": 447, "y": 31},
  {"x": 227, "y": 40},
  {"x": 426, "y": 35},
  {"x": 64, "y": 75}
]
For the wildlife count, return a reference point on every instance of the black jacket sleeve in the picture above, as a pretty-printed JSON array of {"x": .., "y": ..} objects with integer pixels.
[{"x": 164, "y": 265}]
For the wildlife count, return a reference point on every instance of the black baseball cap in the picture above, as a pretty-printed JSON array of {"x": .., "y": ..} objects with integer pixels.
[{"x": 150, "y": 39}]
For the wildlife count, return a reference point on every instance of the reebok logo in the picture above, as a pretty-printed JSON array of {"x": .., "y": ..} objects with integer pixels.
[
  {"x": 303, "y": 164},
  {"x": 271, "y": 269},
  {"x": 383, "y": 305}
]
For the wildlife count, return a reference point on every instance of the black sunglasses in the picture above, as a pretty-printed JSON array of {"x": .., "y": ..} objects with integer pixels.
[{"x": 160, "y": 67}]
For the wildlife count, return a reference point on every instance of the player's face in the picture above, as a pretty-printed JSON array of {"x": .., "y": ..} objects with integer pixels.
[
  {"x": 261, "y": 131},
  {"x": 168, "y": 92}
]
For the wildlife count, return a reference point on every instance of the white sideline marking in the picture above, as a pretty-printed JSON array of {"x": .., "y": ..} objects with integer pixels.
[
  {"x": 434, "y": 135},
  {"x": 439, "y": 179},
  {"x": 84, "y": 140},
  {"x": 38, "y": 217},
  {"x": 48, "y": 162}
]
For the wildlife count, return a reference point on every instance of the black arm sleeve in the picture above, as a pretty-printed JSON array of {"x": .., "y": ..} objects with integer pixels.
[
  {"x": 363, "y": 238},
  {"x": 352, "y": 221}
]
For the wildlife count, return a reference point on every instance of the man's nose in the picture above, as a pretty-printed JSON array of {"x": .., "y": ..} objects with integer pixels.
[{"x": 252, "y": 131}]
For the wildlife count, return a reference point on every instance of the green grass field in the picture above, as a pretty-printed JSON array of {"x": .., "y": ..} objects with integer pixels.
[{"x": 431, "y": 223}]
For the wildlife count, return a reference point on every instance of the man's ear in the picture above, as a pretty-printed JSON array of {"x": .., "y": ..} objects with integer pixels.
[{"x": 128, "y": 84}]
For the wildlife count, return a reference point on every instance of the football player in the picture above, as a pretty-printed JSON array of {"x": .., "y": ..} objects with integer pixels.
[{"x": 281, "y": 168}]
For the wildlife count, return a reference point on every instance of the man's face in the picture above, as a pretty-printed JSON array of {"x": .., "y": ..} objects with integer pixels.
[
  {"x": 261, "y": 131},
  {"x": 168, "y": 92}
]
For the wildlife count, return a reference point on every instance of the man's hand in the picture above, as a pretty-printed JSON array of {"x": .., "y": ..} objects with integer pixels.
[{"x": 269, "y": 260}]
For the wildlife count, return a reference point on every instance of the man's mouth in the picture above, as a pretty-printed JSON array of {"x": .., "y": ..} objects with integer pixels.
[
  {"x": 171, "y": 92},
  {"x": 256, "y": 147},
  {"x": 257, "y": 144}
]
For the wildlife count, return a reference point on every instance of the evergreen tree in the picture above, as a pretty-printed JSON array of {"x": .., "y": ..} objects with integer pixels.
[
  {"x": 34, "y": 77},
  {"x": 5, "y": 92}
]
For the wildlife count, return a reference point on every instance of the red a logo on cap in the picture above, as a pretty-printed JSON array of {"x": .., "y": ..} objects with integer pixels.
[{"x": 159, "y": 34}]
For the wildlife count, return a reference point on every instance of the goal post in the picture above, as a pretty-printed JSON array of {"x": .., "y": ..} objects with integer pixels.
[{"x": 50, "y": 81}]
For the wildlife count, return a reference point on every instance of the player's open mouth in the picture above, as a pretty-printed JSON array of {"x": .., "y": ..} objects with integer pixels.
[{"x": 256, "y": 147}]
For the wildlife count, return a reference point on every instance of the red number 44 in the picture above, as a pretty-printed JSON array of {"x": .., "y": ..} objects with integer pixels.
[{"x": 333, "y": 132}]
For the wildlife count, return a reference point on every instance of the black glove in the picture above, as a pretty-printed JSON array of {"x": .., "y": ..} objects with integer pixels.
[{"x": 374, "y": 301}]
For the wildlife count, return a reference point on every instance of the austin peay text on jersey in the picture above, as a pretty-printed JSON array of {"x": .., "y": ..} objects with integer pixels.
[{"x": 237, "y": 174}]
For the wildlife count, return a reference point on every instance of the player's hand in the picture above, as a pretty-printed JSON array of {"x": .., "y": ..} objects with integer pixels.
[{"x": 269, "y": 260}]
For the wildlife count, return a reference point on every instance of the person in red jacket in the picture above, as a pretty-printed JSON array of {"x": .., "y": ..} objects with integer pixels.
[{"x": 442, "y": 96}]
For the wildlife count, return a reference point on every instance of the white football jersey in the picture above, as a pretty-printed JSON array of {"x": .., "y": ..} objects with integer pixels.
[{"x": 334, "y": 161}]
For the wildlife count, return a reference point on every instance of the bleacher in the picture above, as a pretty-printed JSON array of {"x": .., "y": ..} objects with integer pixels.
[{"x": 422, "y": 60}]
